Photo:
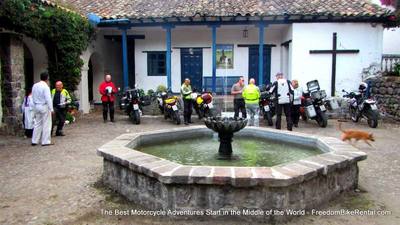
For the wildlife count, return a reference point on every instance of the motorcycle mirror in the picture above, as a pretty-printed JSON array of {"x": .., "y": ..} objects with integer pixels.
[{"x": 343, "y": 90}]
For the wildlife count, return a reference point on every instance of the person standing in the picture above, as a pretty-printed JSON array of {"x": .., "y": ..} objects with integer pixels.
[
  {"x": 28, "y": 113},
  {"x": 43, "y": 108},
  {"x": 238, "y": 101},
  {"x": 186, "y": 91},
  {"x": 251, "y": 95},
  {"x": 297, "y": 96},
  {"x": 283, "y": 91},
  {"x": 107, "y": 90},
  {"x": 61, "y": 99}
]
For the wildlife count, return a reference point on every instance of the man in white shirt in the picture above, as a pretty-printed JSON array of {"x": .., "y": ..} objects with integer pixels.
[
  {"x": 283, "y": 91},
  {"x": 297, "y": 95},
  {"x": 43, "y": 108}
]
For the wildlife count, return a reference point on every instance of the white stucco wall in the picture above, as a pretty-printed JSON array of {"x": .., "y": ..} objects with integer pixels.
[
  {"x": 317, "y": 36},
  {"x": 39, "y": 54},
  {"x": 286, "y": 53},
  {"x": 391, "y": 41},
  {"x": 200, "y": 36},
  {"x": 106, "y": 57}
]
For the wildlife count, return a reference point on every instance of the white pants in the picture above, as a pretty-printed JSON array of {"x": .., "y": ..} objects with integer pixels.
[
  {"x": 253, "y": 111},
  {"x": 42, "y": 125}
]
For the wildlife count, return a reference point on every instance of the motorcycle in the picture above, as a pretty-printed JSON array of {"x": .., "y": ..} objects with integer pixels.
[
  {"x": 132, "y": 102},
  {"x": 313, "y": 104},
  {"x": 168, "y": 106},
  {"x": 160, "y": 99},
  {"x": 203, "y": 104},
  {"x": 362, "y": 107},
  {"x": 267, "y": 105}
]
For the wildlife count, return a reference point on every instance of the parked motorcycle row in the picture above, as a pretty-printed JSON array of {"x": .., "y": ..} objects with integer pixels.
[
  {"x": 315, "y": 105},
  {"x": 132, "y": 102},
  {"x": 202, "y": 104}
]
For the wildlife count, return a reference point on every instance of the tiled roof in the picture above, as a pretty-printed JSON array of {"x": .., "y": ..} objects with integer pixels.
[{"x": 141, "y": 9}]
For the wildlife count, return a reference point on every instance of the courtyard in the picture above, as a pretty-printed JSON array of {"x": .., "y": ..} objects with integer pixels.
[{"x": 61, "y": 184}]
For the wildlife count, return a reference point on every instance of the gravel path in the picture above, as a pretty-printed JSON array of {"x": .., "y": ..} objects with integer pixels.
[{"x": 61, "y": 184}]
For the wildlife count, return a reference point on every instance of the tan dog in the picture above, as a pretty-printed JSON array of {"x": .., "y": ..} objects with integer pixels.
[{"x": 349, "y": 135}]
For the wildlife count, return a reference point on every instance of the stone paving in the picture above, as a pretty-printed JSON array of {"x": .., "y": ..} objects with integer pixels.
[{"x": 61, "y": 184}]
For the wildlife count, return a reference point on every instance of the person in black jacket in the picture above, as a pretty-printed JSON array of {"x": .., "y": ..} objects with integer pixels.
[{"x": 283, "y": 91}]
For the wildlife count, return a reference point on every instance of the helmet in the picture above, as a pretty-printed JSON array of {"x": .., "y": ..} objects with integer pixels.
[{"x": 363, "y": 87}]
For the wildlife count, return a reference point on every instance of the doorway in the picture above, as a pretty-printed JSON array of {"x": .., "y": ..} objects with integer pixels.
[{"x": 192, "y": 66}]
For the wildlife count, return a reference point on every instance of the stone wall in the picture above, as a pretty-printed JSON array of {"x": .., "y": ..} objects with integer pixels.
[
  {"x": 12, "y": 57},
  {"x": 155, "y": 195},
  {"x": 386, "y": 90}
]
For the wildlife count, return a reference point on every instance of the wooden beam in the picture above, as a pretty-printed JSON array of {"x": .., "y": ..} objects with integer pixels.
[
  {"x": 337, "y": 51},
  {"x": 254, "y": 45}
]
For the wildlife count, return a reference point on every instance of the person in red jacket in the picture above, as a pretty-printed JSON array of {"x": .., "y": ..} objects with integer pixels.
[{"x": 107, "y": 90}]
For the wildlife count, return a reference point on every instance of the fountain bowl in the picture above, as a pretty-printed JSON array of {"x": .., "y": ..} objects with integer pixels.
[
  {"x": 225, "y": 124},
  {"x": 225, "y": 127}
]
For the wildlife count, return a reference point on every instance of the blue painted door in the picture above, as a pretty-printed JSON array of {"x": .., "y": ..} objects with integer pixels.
[
  {"x": 253, "y": 64},
  {"x": 192, "y": 66}
]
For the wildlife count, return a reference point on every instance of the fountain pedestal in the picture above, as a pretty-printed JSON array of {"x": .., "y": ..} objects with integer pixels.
[{"x": 225, "y": 127}]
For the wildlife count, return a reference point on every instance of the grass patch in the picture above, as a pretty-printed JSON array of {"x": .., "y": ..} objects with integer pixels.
[
  {"x": 112, "y": 198},
  {"x": 357, "y": 201}
]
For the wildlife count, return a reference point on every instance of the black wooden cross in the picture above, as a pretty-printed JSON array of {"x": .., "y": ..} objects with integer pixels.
[{"x": 334, "y": 52}]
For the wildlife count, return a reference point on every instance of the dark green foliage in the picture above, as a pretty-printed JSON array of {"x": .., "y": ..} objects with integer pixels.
[{"x": 64, "y": 34}]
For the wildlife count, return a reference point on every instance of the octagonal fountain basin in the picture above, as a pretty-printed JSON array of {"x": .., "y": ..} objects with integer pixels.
[{"x": 178, "y": 169}]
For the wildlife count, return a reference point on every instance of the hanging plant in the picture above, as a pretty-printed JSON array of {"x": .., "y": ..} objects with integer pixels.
[{"x": 64, "y": 34}]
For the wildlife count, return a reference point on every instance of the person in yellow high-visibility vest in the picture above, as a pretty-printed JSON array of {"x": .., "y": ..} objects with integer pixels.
[
  {"x": 61, "y": 99},
  {"x": 251, "y": 95},
  {"x": 186, "y": 91}
]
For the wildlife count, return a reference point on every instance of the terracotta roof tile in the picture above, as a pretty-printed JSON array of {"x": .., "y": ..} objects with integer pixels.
[{"x": 141, "y": 9}]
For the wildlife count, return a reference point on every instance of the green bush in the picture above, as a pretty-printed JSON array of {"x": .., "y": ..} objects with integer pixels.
[
  {"x": 397, "y": 69},
  {"x": 150, "y": 92},
  {"x": 64, "y": 34},
  {"x": 162, "y": 88}
]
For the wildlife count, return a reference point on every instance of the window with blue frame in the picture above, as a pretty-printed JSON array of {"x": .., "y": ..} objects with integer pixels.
[{"x": 156, "y": 64}]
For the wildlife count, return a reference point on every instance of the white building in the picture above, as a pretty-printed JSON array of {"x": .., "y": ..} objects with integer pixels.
[
  {"x": 155, "y": 42},
  {"x": 184, "y": 30}
]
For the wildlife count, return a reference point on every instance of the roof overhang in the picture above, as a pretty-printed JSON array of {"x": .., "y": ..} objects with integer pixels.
[{"x": 237, "y": 20}]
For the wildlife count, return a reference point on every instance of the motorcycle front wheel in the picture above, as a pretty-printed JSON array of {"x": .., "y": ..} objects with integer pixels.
[
  {"x": 372, "y": 118},
  {"x": 177, "y": 117},
  {"x": 322, "y": 119},
  {"x": 353, "y": 114},
  {"x": 268, "y": 118},
  {"x": 209, "y": 112},
  {"x": 134, "y": 115},
  {"x": 137, "y": 116},
  {"x": 200, "y": 114}
]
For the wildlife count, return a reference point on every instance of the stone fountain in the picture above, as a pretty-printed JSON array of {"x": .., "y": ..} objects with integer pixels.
[
  {"x": 225, "y": 127},
  {"x": 159, "y": 183}
]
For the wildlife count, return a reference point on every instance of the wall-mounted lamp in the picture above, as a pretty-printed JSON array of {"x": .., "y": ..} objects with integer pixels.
[{"x": 245, "y": 33}]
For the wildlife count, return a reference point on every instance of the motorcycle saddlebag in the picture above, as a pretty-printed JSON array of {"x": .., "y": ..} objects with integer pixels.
[
  {"x": 310, "y": 111},
  {"x": 333, "y": 103}
]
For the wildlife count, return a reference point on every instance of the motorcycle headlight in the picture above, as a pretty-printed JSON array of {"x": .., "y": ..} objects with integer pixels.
[
  {"x": 323, "y": 94},
  {"x": 315, "y": 95}
]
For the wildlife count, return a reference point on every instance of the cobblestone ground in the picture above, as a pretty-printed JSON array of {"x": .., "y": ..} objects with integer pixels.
[{"x": 61, "y": 184}]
